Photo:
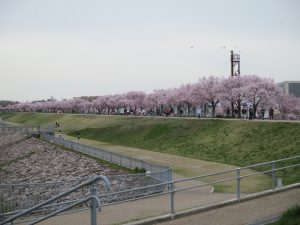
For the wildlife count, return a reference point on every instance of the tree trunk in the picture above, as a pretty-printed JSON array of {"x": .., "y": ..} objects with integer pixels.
[{"x": 232, "y": 108}]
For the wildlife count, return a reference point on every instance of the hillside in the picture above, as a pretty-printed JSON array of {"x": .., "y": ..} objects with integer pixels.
[{"x": 232, "y": 142}]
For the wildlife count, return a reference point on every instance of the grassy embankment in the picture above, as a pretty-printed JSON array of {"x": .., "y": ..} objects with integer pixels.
[
  {"x": 290, "y": 217},
  {"x": 239, "y": 143}
]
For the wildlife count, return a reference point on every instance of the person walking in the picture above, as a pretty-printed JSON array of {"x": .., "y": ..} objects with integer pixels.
[
  {"x": 199, "y": 112},
  {"x": 251, "y": 113},
  {"x": 244, "y": 113},
  {"x": 262, "y": 111},
  {"x": 271, "y": 113}
]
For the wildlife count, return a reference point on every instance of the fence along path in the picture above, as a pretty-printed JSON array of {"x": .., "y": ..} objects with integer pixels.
[
  {"x": 161, "y": 173},
  {"x": 186, "y": 197},
  {"x": 156, "y": 172}
]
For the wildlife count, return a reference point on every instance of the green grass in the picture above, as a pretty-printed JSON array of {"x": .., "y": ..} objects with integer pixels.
[
  {"x": 290, "y": 217},
  {"x": 232, "y": 142}
]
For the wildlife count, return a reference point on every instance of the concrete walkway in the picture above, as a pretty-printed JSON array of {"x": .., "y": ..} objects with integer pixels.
[
  {"x": 245, "y": 212},
  {"x": 234, "y": 214}
]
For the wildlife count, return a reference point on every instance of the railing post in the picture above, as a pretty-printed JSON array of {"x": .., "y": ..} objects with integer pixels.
[
  {"x": 130, "y": 162},
  {"x": 93, "y": 206},
  {"x": 273, "y": 175},
  {"x": 172, "y": 193},
  {"x": 238, "y": 184}
]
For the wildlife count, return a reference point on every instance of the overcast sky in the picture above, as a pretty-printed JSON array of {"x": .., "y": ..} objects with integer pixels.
[{"x": 66, "y": 48}]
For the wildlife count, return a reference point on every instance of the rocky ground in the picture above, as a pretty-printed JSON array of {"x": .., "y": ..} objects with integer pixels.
[
  {"x": 27, "y": 160},
  {"x": 32, "y": 170}
]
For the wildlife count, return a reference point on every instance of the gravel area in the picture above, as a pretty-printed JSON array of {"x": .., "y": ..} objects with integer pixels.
[
  {"x": 33, "y": 170},
  {"x": 33, "y": 160}
]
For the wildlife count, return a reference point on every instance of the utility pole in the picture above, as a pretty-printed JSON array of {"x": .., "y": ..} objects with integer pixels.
[
  {"x": 235, "y": 71},
  {"x": 235, "y": 64}
]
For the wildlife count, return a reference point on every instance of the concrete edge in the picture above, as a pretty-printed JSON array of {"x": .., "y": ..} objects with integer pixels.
[{"x": 183, "y": 213}]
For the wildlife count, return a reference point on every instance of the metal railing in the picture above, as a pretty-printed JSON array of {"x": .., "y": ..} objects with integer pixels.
[
  {"x": 195, "y": 185},
  {"x": 95, "y": 202},
  {"x": 161, "y": 173},
  {"x": 236, "y": 176},
  {"x": 16, "y": 197},
  {"x": 15, "y": 129},
  {"x": 170, "y": 187},
  {"x": 19, "y": 196}
]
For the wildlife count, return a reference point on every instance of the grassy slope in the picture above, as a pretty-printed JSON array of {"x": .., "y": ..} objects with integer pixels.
[
  {"x": 232, "y": 142},
  {"x": 290, "y": 217}
]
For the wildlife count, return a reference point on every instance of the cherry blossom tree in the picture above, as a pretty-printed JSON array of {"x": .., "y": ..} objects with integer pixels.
[
  {"x": 288, "y": 105},
  {"x": 186, "y": 97},
  {"x": 136, "y": 99},
  {"x": 210, "y": 90},
  {"x": 157, "y": 99},
  {"x": 99, "y": 104},
  {"x": 232, "y": 91},
  {"x": 259, "y": 90}
]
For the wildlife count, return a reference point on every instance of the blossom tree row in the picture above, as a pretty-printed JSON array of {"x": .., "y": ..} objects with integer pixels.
[{"x": 212, "y": 94}]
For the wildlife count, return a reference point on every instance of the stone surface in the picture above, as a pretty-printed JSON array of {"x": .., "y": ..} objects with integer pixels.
[
  {"x": 36, "y": 170},
  {"x": 32, "y": 160}
]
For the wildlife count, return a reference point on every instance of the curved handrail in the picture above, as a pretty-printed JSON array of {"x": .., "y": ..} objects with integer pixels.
[
  {"x": 96, "y": 199},
  {"x": 91, "y": 181}
]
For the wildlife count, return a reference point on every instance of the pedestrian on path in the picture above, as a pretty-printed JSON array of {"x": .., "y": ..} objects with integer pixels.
[
  {"x": 271, "y": 113},
  {"x": 78, "y": 135},
  {"x": 199, "y": 111},
  {"x": 244, "y": 113},
  {"x": 251, "y": 113},
  {"x": 262, "y": 111}
]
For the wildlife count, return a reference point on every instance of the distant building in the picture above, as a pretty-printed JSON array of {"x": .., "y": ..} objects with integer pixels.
[
  {"x": 291, "y": 87},
  {"x": 86, "y": 98}
]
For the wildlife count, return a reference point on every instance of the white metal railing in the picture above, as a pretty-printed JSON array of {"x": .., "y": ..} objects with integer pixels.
[
  {"x": 170, "y": 187},
  {"x": 161, "y": 173},
  {"x": 95, "y": 202}
]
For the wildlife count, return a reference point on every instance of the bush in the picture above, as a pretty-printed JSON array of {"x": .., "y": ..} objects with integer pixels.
[
  {"x": 139, "y": 170},
  {"x": 290, "y": 217}
]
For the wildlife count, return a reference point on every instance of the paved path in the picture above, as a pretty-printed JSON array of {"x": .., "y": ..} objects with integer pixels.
[
  {"x": 237, "y": 214},
  {"x": 245, "y": 212}
]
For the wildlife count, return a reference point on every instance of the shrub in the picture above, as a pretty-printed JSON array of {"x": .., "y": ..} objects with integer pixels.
[{"x": 139, "y": 170}]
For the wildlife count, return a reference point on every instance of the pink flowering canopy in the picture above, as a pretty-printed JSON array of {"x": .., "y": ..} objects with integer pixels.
[{"x": 215, "y": 92}]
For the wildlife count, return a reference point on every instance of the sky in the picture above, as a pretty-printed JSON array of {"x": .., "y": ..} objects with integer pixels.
[{"x": 68, "y": 48}]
